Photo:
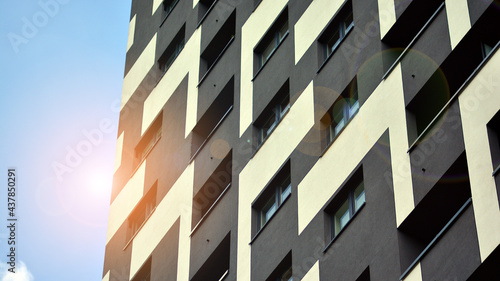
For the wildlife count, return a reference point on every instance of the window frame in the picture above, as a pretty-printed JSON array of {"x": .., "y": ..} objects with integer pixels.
[
  {"x": 280, "y": 184},
  {"x": 338, "y": 26},
  {"x": 279, "y": 200},
  {"x": 275, "y": 111},
  {"x": 273, "y": 37},
  {"x": 172, "y": 51},
  {"x": 352, "y": 209},
  {"x": 348, "y": 104},
  {"x": 344, "y": 195},
  {"x": 149, "y": 140},
  {"x": 144, "y": 208}
]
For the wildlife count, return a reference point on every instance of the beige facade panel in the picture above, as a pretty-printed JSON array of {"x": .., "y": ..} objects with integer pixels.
[
  {"x": 457, "y": 12},
  {"x": 138, "y": 71},
  {"x": 251, "y": 32},
  {"x": 195, "y": 2},
  {"x": 119, "y": 151},
  {"x": 131, "y": 33},
  {"x": 106, "y": 277},
  {"x": 415, "y": 274},
  {"x": 265, "y": 163},
  {"x": 384, "y": 109},
  {"x": 478, "y": 104},
  {"x": 156, "y": 5},
  {"x": 312, "y": 22},
  {"x": 387, "y": 16},
  {"x": 313, "y": 273},
  {"x": 177, "y": 203},
  {"x": 187, "y": 63},
  {"x": 126, "y": 200}
]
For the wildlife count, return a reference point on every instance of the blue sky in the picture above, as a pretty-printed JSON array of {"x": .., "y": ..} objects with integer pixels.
[{"x": 61, "y": 73}]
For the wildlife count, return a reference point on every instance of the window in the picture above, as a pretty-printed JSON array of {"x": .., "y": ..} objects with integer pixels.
[
  {"x": 149, "y": 140},
  {"x": 353, "y": 202},
  {"x": 344, "y": 205},
  {"x": 343, "y": 110},
  {"x": 216, "y": 267},
  {"x": 273, "y": 113},
  {"x": 213, "y": 189},
  {"x": 141, "y": 212},
  {"x": 273, "y": 196},
  {"x": 282, "y": 191},
  {"x": 337, "y": 30},
  {"x": 144, "y": 274},
  {"x": 172, "y": 51},
  {"x": 272, "y": 39}
]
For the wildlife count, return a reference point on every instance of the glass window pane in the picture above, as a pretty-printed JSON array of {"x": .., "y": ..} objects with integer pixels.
[
  {"x": 285, "y": 191},
  {"x": 268, "y": 210},
  {"x": 268, "y": 125},
  {"x": 287, "y": 276},
  {"x": 359, "y": 196},
  {"x": 338, "y": 121},
  {"x": 283, "y": 30},
  {"x": 332, "y": 43},
  {"x": 284, "y": 105},
  {"x": 348, "y": 21},
  {"x": 341, "y": 218},
  {"x": 267, "y": 52},
  {"x": 486, "y": 50},
  {"x": 353, "y": 109},
  {"x": 339, "y": 126}
]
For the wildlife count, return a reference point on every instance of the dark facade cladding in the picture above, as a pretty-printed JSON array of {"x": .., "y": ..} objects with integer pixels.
[{"x": 264, "y": 140}]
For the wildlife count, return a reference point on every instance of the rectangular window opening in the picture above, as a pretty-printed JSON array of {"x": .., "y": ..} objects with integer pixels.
[
  {"x": 345, "y": 205},
  {"x": 271, "y": 40},
  {"x": 149, "y": 140},
  {"x": 172, "y": 51},
  {"x": 340, "y": 113},
  {"x": 272, "y": 198},
  {"x": 141, "y": 212},
  {"x": 335, "y": 32},
  {"x": 273, "y": 113}
]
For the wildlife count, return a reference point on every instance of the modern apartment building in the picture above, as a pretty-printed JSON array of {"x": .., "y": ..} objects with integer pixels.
[{"x": 314, "y": 140}]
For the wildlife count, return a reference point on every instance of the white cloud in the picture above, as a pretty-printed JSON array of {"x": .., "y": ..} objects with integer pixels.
[{"x": 22, "y": 273}]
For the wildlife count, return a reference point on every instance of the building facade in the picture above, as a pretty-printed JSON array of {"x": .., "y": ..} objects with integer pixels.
[{"x": 313, "y": 140}]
